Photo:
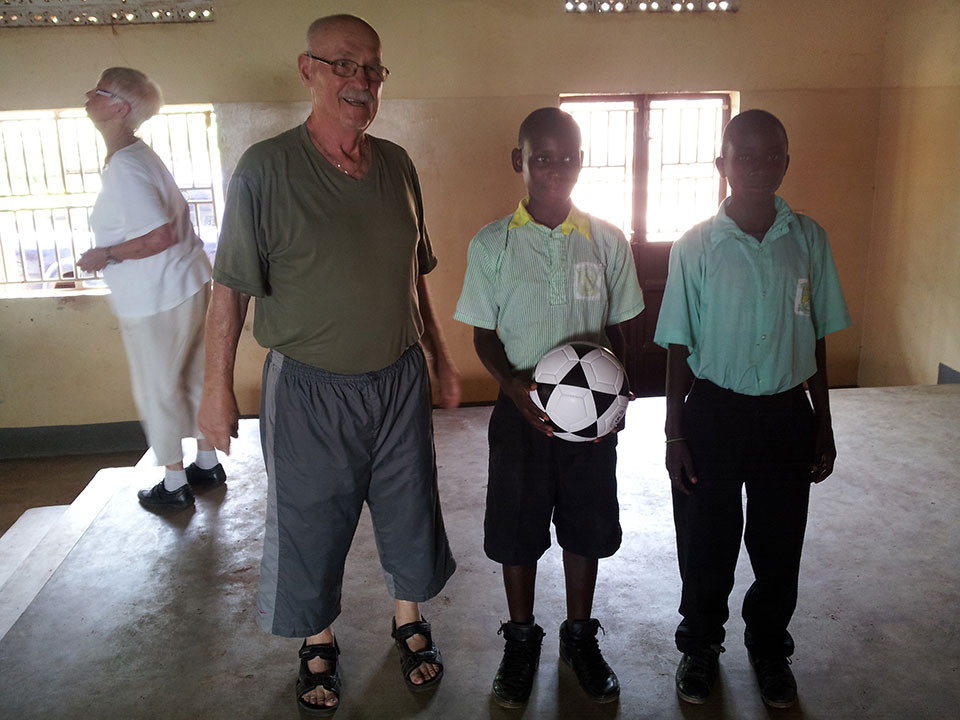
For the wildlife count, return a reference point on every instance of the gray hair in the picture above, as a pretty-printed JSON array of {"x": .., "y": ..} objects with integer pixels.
[{"x": 139, "y": 92}]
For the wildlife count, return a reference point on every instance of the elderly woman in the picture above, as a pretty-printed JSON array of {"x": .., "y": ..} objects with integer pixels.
[{"x": 159, "y": 279}]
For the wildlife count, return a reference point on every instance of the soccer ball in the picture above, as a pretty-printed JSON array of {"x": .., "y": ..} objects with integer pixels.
[{"x": 583, "y": 388}]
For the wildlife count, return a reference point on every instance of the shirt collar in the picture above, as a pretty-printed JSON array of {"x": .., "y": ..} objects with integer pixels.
[
  {"x": 576, "y": 220},
  {"x": 725, "y": 227}
]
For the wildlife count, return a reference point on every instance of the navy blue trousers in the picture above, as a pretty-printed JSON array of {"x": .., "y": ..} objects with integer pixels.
[{"x": 765, "y": 444}]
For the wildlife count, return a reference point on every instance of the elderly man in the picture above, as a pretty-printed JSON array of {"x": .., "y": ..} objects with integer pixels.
[{"x": 324, "y": 226}]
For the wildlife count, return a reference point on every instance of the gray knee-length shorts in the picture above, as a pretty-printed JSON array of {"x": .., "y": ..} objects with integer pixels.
[{"x": 331, "y": 442}]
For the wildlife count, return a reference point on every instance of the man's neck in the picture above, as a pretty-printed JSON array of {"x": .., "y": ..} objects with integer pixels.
[
  {"x": 551, "y": 216},
  {"x": 344, "y": 149},
  {"x": 754, "y": 218},
  {"x": 334, "y": 140}
]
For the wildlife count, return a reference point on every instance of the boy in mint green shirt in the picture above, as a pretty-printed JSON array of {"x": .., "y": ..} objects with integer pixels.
[
  {"x": 546, "y": 275},
  {"x": 750, "y": 295}
]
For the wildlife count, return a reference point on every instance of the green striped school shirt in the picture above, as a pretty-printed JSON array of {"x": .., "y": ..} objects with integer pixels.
[
  {"x": 751, "y": 312},
  {"x": 539, "y": 288}
]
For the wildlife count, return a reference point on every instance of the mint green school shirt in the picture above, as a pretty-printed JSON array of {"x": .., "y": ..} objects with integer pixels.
[
  {"x": 332, "y": 260},
  {"x": 751, "y": 312},
  {"x": 540, "y": 287}
]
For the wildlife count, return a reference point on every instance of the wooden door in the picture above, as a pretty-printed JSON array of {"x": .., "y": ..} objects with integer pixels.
[{"x": 646, "y": 361}]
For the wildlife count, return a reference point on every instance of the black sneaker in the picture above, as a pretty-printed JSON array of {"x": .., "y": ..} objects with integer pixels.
[
  {"x": 778, "y": 688},
  {"x": 521, "y": 657},
  {"x": 206, "y": 478},
  {"x": 579, "y": 649},
  {"x": 697, "y": 672},
  {"x": 161, "y": 498}
]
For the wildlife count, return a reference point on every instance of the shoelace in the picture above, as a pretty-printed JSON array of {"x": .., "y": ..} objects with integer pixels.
[
  {"x": 588, "y": 649},
  {"x": 772, "y": 668},
  {"x": 701, "y": 662},
  {"x": 519, "y": 660}
]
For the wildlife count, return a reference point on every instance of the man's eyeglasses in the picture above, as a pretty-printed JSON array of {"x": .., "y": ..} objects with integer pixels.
[
  {"x": 348, "y": 68},
  {"x": 108, "y": 94}
]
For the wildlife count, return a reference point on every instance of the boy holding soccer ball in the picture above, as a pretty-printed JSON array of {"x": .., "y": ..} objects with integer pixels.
[
  {"x": 546, "y": 275},
  {"x": 750, "y": 295}
]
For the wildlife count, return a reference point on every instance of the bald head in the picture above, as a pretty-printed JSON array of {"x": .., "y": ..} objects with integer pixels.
[
  {"x": 548, "y": 120},
  {"x": 322, "y": 27},
  {"x": 752, "y": 122}
]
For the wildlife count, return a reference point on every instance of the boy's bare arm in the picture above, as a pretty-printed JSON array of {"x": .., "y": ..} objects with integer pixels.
[
  {"x": 618, "y": 342},
  {"x": 679, "y": 379},
  {"x": 825, "y": 450},
  {"x": 494, "y": 358}
]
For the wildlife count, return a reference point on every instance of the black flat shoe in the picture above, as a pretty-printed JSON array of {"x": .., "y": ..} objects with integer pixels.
[
  {"x": 778, "y": 688},
  {"x": 697, "y": 672},
  {"x": 206, "y": 478},
  {"x": 158, "y": 497}
]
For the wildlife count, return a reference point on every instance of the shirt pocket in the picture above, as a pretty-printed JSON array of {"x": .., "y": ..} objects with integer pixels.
[
  {"x": 801, "y": 300},
  {"x": 589, "y": 282}
]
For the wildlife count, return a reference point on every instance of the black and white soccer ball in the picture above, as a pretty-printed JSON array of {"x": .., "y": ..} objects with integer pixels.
[{"x": 583, "y": 388}]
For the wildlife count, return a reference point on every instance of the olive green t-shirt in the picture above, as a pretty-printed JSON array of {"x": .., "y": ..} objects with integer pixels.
[{"x": 332, "y": 261}]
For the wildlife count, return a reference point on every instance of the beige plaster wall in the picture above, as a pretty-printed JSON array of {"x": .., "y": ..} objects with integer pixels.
[
  {"x": 464, "y": 75},
  {"x": 461, "y": 48},
  {"x": 63, "y": 362},
  {"x": 912, "y": 318}
]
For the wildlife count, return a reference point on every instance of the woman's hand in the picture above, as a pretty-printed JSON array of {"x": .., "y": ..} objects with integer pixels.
[{"x": 94, "y": 259}]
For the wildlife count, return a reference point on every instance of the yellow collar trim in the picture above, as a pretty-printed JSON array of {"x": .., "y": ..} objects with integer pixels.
[{"x": 576, "y": 220}]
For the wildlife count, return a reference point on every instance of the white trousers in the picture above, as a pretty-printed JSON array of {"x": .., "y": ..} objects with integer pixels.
[{"x": 166, "y": 357}]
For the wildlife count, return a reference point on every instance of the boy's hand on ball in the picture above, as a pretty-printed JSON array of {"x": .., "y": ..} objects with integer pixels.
[{"x": 519, "y": 391}]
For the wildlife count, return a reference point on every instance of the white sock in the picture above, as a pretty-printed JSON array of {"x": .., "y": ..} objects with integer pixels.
[
  {"x": 206, "y": 459},
  {"x": 174, "y": 479}
]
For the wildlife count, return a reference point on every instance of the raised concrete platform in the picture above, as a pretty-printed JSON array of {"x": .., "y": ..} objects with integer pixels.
[
  {"x": 49, "y": 543},
  {"x": 22, "y": 537},
  {"x": 151, "y": 616}
]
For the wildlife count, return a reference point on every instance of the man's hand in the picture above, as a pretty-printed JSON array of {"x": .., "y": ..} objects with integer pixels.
[
  {"x": 824, "y": 453},
  {"x": 219, "y": 418},
  {"x": 448, "y": 377},
  {"x": 519, "y": 390},
  {"x": 680, "y": 466}
]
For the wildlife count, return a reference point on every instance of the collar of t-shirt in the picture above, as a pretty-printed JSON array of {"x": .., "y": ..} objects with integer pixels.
[
  {"x": 576, "y": 220},
  {"x": 724, "y": 227}
]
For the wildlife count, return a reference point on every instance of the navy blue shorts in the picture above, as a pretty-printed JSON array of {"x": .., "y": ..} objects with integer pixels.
[{"x": 533, "y": 477}]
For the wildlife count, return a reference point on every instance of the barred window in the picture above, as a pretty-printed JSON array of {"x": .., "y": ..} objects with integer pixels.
[
  {"x": 50, "y": 164},
  {"x": 648, "y": 163}
]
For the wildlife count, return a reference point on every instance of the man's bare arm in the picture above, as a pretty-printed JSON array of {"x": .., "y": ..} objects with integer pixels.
[
  {"x": 446, "y": 371},
  {"x": 219, "y": 416}
]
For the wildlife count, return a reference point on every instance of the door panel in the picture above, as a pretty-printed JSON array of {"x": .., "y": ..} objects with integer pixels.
[{"x": 647, "y": 361}]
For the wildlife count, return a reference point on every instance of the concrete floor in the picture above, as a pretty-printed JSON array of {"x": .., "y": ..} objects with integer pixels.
[{"x": 152, "y": 616}]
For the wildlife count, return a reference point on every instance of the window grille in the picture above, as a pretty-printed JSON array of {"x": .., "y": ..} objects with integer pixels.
[
  {"x": 50, "y": 163},
  {"x": 648, "y": 163}
]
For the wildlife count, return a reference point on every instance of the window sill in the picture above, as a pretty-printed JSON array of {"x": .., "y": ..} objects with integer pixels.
[{"x": 22, "y": 292}]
